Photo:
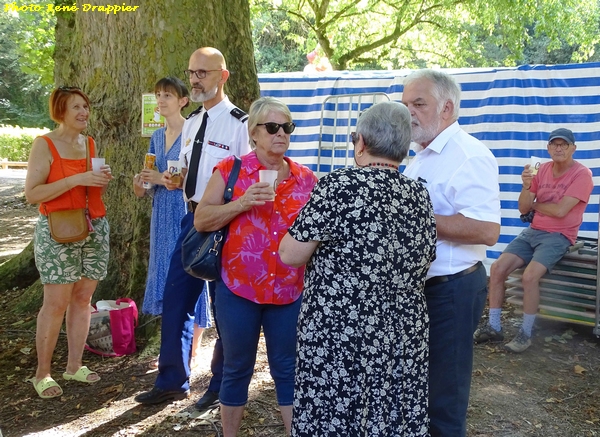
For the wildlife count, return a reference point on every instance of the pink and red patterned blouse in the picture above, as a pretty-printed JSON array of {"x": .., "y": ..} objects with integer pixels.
[{"x": 251, "y": 267}]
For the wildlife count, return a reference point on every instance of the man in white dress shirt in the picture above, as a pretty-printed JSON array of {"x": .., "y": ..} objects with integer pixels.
[
  {"x": 210, "y": 134},
  {"x": 461, "y": 175}
]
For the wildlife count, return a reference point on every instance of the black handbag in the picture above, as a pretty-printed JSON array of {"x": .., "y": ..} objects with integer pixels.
[{"x": 201, "y": 251}]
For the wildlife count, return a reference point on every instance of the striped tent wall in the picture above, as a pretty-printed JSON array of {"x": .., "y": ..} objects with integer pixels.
[{"x": 511, "y": 110}]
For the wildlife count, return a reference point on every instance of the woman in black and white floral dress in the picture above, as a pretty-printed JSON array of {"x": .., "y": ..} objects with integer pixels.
[{"x": 368, "y": 236}]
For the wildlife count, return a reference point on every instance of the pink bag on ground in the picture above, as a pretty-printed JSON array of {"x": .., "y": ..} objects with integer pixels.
[{"x": 112, "y": 327}]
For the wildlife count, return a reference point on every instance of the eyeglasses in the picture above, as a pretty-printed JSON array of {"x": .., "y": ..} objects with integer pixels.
[
  {"x": 200, "y": 74},
  {"x": 563, "y": 146},
  {"x": 273, "y": 128},
  {"x": 69, "y": 88},
  {"x": 354, "y": 137}
]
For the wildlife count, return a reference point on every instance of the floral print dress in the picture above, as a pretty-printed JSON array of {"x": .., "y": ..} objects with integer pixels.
[{"x": 362, "y": 354}]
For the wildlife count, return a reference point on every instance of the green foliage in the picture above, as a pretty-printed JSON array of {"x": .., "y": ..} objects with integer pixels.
[
  {"x": 33, "y": 33},
  {"x": 26, "y": 66},
  {"x": 447, "y": 33},
  {"x": 15, "y": 143},
  {"x": 280, "y": 43}
]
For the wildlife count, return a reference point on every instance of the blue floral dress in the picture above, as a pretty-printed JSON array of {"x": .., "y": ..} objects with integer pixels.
[{"x": 168, "y": 208}]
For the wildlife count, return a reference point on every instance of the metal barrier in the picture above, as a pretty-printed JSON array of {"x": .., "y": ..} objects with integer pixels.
[{"x": 339, "y": 114}]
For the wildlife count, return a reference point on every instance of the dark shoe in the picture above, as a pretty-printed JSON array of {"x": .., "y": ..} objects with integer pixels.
[
  {"x": 487, "y": 333},
  {"x": 208, "y": 401},
  {"x": 158, "y": 395},
  {"x": 518, "y": 344}
]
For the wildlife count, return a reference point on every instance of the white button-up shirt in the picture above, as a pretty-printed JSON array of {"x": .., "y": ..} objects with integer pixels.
[
  {"x": 225, "y": 135},
  {"x": 461, "y": 175}
]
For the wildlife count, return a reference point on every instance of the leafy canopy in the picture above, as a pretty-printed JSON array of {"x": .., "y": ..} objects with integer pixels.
[{"x": 449, "y": 33}]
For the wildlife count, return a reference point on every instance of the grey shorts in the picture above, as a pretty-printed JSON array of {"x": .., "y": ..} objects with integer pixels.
[
  {"x": 547, "y": 248},
  {"x": 65, "y": 263}
]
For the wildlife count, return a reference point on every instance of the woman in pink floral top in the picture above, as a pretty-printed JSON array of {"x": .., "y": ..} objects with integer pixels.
[{"x": 256, "y": 289}]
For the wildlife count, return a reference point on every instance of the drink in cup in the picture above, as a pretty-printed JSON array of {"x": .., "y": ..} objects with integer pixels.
[
  {"x": 536, "y": 161},
  {"x": 97, "y": 164},
  {"x": 175, "y": 169},
  {"x": 149, "y": 161},
  {"x": 269, "y": 176}
]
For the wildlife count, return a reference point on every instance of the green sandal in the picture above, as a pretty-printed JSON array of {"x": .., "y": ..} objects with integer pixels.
[
  {"x": 44, "y": 384},
  {"x": 81, "y": 375}
]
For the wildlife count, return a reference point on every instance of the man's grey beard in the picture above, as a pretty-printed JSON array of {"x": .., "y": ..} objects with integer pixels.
[
  {"x": 201, "y": 97},
  {"x": 422, "y": 135}
]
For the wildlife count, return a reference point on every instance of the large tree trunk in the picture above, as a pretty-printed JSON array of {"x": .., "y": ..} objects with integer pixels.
[{"x": 115, "y": 58}]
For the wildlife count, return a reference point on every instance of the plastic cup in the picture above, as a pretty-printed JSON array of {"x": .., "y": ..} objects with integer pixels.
[
  {"x": 535, "y": 163},
  {"x": 269, "y": 176},
  {"x": 97, "y": 163},
  {"x": 174, "y": 168}
]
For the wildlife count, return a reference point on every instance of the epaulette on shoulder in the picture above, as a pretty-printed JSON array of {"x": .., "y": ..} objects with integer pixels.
[
  {"x": 239, "y": 114},
  {"x": 194, "y": 113}
]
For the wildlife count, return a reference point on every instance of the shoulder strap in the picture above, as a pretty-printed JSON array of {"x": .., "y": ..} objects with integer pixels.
[
  {"x": 237, "y": 163},
  {"x": 92, "y": 147},
  {"x": 193, "y": 113},
  {"x": 52, "y": 148},
  {"x": 239, "y": 114}
]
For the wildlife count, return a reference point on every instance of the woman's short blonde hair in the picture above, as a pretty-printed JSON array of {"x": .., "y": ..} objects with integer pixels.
[{"x": 259, "y": 110}]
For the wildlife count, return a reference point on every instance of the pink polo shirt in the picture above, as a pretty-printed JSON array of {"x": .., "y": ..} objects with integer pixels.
[{"x": 577, "y": 183}]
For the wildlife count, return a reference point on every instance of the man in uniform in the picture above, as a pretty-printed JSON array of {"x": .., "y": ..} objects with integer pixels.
[
  {"x": 461, "y": 175},
  {"x": 210, "y": 134}
]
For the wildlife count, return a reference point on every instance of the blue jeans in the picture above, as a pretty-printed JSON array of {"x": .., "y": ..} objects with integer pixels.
[
  {"x": 177, "y": 329},
  {"x": 455, "y": 308},
  {"x": 239, "y": 321}
]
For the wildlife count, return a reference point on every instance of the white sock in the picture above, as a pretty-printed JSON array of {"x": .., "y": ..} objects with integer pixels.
[
  {"x": 495, "y": 319},
  {"x": 528, "y": 320}
]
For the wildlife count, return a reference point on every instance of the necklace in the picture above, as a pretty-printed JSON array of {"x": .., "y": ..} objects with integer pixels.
[{"x": 382, "y": 164}]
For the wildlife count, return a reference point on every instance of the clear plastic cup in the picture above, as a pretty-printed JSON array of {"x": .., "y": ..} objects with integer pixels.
[
  {"x": 269, "y": 176},
  {"x": 174, "y": 167},
  {"x": 535, "y": 163}
]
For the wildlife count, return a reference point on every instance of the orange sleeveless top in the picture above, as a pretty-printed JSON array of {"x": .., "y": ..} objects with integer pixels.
[{"x": 75, "y": 197}]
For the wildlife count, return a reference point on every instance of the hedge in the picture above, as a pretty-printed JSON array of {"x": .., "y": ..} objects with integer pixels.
[{"x": 15, "y": 142}]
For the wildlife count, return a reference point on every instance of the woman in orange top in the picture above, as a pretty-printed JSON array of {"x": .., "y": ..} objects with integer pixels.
[
  {"x": 57, "y": 179},
  {"x": 256, "y": 289}
]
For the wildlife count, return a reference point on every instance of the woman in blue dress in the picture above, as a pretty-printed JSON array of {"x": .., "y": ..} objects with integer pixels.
[{"x": 168, "y": 207}]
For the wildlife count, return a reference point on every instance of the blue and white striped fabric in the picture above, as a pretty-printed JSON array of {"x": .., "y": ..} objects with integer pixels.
[{"x": 511, "y": 110}]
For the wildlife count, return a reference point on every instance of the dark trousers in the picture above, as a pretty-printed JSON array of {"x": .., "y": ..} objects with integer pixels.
[
  {"x": 455, "y": 308},
  {"x": 216, "y": 364},
  {"x": 177, "y": 330}
]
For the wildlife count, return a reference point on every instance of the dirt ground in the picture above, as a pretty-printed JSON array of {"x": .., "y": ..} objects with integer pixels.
[{"x": 551, "y": 390}]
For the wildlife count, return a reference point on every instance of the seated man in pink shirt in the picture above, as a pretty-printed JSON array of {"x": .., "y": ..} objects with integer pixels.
[{"x": 556, "y": 197}]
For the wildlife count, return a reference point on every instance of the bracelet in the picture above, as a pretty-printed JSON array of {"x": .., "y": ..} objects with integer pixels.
[
  {"x": 67, "y": 184},
  {"x": 242, "y": 207},
  {"x": 526, "y": 188}
]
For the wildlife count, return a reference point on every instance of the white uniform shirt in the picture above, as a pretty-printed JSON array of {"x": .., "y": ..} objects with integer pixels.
[
  {"x": 461, "y": 175},
  {"x": 225, "y": 135}
]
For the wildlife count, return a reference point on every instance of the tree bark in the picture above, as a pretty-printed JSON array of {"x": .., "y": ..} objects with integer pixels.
[
  {"x": 115, "y": 58},
  {"x": 19, "y": 271}
]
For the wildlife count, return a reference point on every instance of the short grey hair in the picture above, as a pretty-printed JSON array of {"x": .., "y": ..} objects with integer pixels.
[
  {"x": 386, "y": 130},
  {"x": 259, "y": 110},
  {"x": 445, "y": 87}
]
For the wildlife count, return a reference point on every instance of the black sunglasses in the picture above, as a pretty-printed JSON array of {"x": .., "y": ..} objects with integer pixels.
[
  {"x": 273, "y": 128},
  {"x": 69, "y": 88}
]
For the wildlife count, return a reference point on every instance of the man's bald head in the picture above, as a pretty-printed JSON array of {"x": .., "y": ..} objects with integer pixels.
[{"x": 211, "y": 56}]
